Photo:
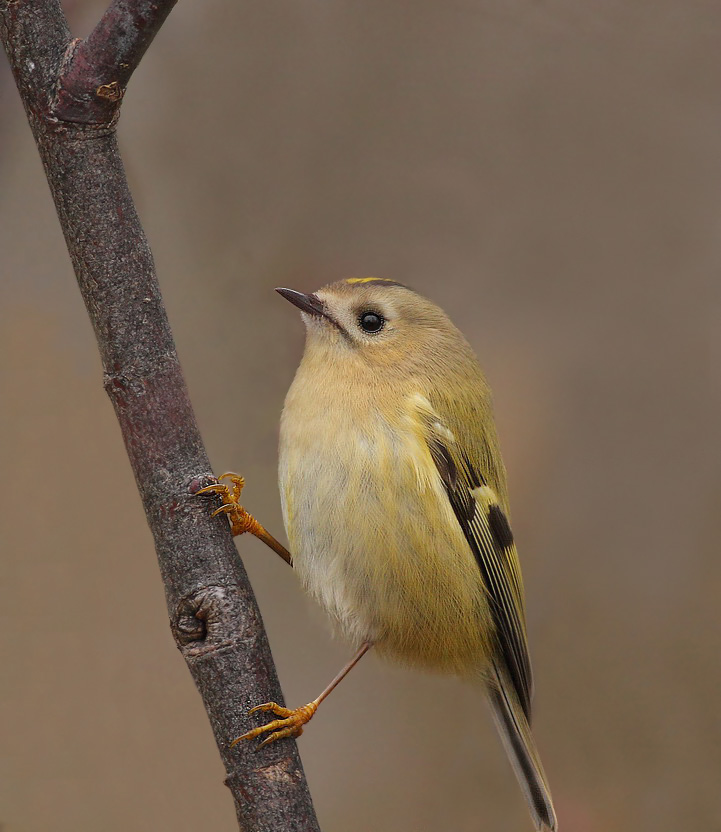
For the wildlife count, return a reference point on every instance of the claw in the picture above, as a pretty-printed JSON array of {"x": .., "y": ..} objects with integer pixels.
[
  {"x": 216, "y": 488},
  {"x": 277, "y": 709},
  {"x": 226, "y": 508},
  {"x": 240, "y": 520},
  {"x": 236, "y": 478},
  {"x": 282, "y": 734},
  {"x": 290, "y": 725},
  {"x": 220, "y": 487}
]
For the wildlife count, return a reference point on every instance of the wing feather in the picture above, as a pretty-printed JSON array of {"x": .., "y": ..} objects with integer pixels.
[{"x": 486, "y": 528}]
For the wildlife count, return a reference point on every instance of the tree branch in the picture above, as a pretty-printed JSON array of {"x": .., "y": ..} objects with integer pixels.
[
  {"x": 93, "y": 82},
  {"x": 72, "y": 91}
]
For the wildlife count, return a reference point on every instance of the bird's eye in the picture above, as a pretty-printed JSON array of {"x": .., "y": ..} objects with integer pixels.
[{"x": 371, "y": 322}]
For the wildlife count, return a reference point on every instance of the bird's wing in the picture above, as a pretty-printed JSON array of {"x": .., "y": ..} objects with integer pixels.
[{"x": 486, "y": 528}]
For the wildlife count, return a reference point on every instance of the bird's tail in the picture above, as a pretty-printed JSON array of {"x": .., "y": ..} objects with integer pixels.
[{"x": 521, "y": 749}]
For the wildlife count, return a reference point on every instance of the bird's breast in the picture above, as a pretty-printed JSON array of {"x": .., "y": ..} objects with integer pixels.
[{"x": 372, "y": 533}]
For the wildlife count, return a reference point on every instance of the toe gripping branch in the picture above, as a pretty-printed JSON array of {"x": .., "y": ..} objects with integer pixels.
[
  {"x": 240, "y": 520},
  {"x": 292, "y": 720},
  {"x": 290, "y": 724}
]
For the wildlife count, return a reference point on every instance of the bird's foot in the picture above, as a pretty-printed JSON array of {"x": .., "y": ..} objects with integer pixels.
[
  {"x": 289, "y": 725},
  {"x": 240, "y": 521}
]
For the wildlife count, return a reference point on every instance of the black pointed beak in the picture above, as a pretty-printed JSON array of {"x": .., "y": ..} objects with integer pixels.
[{"x": 311, "y": 304}]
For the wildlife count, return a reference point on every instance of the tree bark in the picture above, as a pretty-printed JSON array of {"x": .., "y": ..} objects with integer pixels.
[{"x": 72, "y": 91}]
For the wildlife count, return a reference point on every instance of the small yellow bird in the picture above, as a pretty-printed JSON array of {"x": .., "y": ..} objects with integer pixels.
[{"x": 395, "y": 504}]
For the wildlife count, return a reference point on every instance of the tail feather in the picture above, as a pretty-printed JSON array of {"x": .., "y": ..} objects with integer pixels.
[{"x": 521, "y": 749}]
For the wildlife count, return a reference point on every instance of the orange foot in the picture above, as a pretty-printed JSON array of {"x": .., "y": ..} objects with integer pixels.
[
  {"x": 240, "y": 521},
  {"x": 291, "y": 724}
]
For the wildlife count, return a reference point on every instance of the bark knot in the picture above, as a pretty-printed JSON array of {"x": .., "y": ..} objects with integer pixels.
[{"x": 206, "y": 620}]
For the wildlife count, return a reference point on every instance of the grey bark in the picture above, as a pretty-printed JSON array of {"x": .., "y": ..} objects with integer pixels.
[{"x": 72, "y": 91}]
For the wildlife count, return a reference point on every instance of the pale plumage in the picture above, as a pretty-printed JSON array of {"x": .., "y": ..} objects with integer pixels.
[
  {"x": 389, "y": 488},
  {"x": 394, "y": 499}
]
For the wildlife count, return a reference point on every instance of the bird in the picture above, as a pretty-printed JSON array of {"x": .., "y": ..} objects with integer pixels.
[{"x": 395, "y": 504}]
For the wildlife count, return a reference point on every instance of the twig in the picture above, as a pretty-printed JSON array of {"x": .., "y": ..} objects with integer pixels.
[{"x": 72, "y": 90}]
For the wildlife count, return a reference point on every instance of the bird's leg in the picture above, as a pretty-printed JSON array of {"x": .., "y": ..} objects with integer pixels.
[
  {"x": 240, "y": 520},
  {"x": 291, "y": 721}
]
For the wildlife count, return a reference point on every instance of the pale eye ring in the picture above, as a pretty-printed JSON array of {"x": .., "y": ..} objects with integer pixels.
[{"x": 371, "y": 322}]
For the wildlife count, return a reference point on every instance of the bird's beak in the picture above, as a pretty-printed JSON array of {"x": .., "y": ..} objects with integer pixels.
[{"x": 311, "y": 304}]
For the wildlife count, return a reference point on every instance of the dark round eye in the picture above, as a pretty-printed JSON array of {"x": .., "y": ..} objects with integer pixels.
[{"x": 371, "y": 322}]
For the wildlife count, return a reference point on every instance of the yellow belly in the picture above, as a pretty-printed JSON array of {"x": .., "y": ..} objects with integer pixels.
[{"x": 375, "y": 540}]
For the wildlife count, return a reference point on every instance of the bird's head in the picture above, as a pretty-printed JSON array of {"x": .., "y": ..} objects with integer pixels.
[{"x": 372, "y": 318}]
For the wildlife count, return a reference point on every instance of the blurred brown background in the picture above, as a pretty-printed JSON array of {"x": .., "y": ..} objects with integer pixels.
[{"x": 551, "y": 174}]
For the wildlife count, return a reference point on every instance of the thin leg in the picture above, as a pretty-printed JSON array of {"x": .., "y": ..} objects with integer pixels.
[
  {"x": 240, "y": 520},
  {"x": 292, "y": 720},
  {"x": 364, "y": 648}
]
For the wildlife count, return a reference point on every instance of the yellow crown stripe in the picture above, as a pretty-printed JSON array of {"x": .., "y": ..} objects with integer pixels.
[{"x": 368, "y": 279}]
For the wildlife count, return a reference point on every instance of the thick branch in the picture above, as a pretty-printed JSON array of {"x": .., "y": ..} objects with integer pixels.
[{"x": 213, "y": 613}]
